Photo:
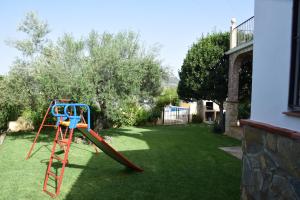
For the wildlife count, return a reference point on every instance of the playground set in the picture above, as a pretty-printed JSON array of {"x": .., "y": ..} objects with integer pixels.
[{"x": 69, "y": 116}]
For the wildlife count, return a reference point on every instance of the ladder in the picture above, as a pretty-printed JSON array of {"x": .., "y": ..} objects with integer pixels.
[
  {"x": 46, "y": 116},
  {"x": 40, "y": 128},
  {"x": 54, "y": 173}
]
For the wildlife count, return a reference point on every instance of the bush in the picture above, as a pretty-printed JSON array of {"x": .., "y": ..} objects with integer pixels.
[
  {"x": 218, "y": 128},
  {"x": 168, "y": 96},
  {"x": 32, "y": 116},
  {"x": 4, "y": 115},
  {"x": 126, "y": 115},
  {"x": 197, "y": 118},
  {"x": 143, "y": 116},
  {"x": 244, "y": 110},
  {"x": 7, "y": 113}
]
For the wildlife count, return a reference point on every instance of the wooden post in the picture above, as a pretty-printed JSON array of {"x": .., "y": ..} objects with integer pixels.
[
  {"x": 189, "y": 112},
  {"x": 163, "y": 116}
]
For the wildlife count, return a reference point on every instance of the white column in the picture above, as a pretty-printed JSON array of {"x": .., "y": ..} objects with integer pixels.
[{"x": 233, "y": 34}]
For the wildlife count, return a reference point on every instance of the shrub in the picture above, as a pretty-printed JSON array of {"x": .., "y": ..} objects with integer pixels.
[
  {"x": 244, "y": 110},
  {"x": 31, "y": 116},
  {"x": 218, "y": 128},
  {"x": 7, "y": 113},
  {"x": 219, "y": 125},
  {"x": 143, "y": 116},
  {"x": 168, "y": 96},
  {"x": 197, "y": 118},
  {"x": 4, "y": 115},
  {"x": 125, "y": 115}
]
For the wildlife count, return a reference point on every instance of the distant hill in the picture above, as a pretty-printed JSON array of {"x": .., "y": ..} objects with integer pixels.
[{"x": 170, "y": 81}]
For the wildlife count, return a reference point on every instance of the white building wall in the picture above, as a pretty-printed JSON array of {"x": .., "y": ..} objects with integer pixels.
[
  {"x": 193, "y": 108},
  {"x": 271, "y": 63}
]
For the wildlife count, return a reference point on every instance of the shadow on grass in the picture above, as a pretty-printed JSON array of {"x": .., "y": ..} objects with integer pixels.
[
  {"x": 179, "y": 162},
  {"x": 35, "y": 151},
  {"x": 46, "y": 135},
  {"x": 182, "y": 162},
  {"x": 57, "y": 165}
]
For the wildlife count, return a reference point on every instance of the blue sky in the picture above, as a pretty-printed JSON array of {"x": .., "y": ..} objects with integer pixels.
[{"x": 174, "y": 25}]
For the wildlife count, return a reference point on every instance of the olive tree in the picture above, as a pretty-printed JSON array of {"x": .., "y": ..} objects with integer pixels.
[{"x": 111, "y": 72}]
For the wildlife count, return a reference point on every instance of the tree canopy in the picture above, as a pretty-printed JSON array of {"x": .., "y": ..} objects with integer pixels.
[
  {"x": 110, "y": 72},
  {"x": 204, "y": 73}
]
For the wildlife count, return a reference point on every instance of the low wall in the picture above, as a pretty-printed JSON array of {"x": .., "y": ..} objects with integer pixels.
[{"x": 271, "y": 162}]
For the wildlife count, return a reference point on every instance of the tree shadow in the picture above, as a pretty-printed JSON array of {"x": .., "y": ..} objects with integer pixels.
[
  {"x": 46, "y": 135},
  {"x": 177, "y": 165},
  {"x": 180, "y": 162},
  {"x": 35, "y": 151}
]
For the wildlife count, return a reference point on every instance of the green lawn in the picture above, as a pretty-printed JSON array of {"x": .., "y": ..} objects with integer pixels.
[{"x": 180, "y": 162}]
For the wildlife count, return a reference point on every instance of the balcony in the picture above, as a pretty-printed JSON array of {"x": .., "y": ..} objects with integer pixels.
[
  {"x": 240, "y": 52},
  {"x": 241, "y": 35}
]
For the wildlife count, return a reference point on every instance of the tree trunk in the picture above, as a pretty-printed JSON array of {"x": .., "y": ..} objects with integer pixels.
[
  {"x": 100, "y": 121},
  {"x": 200, "y": 110},
  {"x": 97, "y": 124},
  {"x": 221, "y": 117}
]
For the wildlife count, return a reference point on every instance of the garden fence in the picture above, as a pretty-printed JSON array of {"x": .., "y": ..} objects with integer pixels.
[{"x": 175, "y": 115}]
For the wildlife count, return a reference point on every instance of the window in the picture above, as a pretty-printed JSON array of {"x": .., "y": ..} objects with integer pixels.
[
  {"x": 209, "y": 105},
  {"x": 294, "y": 93}
]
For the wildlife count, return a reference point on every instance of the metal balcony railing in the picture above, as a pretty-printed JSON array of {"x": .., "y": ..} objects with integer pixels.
[{"x": 242, "y": 33}]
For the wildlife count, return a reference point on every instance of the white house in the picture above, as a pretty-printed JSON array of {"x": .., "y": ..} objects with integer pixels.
[
  {"x": 276, "y": 64},
  {"x": 271, "y": 137},
  {"x": 209, "y": 111},
  {"x": 206, "y": 109}
]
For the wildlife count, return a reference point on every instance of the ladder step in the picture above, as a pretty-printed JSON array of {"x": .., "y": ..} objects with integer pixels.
[
  {"x": 54, "y": 175},
  {"x": 49, "y": 125},
  {"x": 58, "y": 158},
  {"x": 50, "y": 193},
  {"x": 63, "y": 159},
  {"x": 54, "y": 187},
  {"x": 63, "y": 141}
]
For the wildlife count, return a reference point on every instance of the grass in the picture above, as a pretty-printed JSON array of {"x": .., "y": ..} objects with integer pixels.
[{"x": 180, "y": 162}]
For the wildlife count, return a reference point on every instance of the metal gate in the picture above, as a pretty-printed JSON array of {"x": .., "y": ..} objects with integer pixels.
[{"x": 175, "y": 115}]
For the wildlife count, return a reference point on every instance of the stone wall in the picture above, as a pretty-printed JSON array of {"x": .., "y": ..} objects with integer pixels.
[{"x": 271, "y": 165}]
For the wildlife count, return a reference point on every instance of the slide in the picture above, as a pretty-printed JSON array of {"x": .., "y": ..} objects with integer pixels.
[{"x": 106, "y": 148}]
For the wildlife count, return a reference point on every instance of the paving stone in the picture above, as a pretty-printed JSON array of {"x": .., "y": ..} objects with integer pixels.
[{"x": 234, "y": 151}]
